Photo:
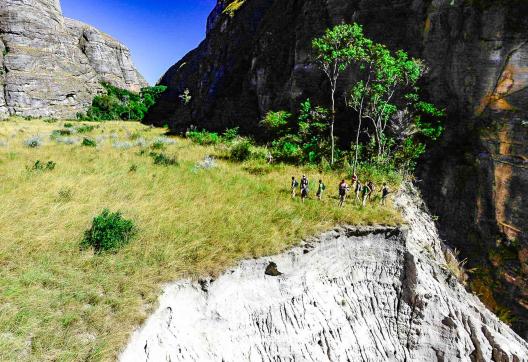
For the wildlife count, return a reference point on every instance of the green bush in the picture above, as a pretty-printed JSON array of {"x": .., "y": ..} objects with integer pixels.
[
  {"x": 109, "y": 232},
  {"x": 41, "y": 166},
  {"x": 88, "y": 142},
  {"x": 203, "y": 138},
  {"x": 163, "y": 160},
  {"x": 230, "y": 135},
  {"x": 118, "y": 103},
  {"x": 84, "y": 128},
  {"x": 241, "y": 150}
]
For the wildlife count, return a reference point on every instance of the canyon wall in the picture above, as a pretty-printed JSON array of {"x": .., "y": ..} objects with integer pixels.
[
  {"x": 475, "y": 179},
  {"x": 52, "y": 66}
]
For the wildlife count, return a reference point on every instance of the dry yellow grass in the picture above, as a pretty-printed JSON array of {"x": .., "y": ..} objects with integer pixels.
[{"x": 60, "y": 303}]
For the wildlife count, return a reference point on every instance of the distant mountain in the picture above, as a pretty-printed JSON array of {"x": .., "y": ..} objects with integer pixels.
[{"x": 51, "y": 66}]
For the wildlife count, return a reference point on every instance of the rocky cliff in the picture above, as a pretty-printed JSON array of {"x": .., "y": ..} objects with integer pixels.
[
  {"x": 371, "y": 294},
  {"x": 476, "y": 180},
  {"x": 52, "y": 66}
]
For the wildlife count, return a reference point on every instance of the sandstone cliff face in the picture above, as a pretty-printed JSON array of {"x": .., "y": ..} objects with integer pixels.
[
  {"x": 351, "y": 294},
  {"x": 52, "y": 66},
  {"x": 476, "y": 180}
]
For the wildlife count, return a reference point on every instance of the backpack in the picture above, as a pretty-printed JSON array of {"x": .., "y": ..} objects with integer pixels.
[{"x": 295, "y": 183}]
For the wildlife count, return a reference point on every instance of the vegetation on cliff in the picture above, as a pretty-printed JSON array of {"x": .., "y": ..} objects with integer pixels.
[
  {"x": 117, "y": 103},
  {"x": 199, "y": 215}
]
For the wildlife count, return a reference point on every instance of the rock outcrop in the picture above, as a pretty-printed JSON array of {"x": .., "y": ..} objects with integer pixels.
[
  {"x": 52, "y": 66},
  {"x": 476, "y": 180},
  {"x": 368, "y": 294}
]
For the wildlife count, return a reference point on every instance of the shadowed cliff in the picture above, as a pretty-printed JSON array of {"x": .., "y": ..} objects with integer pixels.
[{"x": 476, "y": 179}]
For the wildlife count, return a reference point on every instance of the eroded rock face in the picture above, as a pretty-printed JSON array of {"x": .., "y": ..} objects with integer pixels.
[
  {"x": 476, "y": 179},
  {"x": 52, "y": 66},
  {"x": 371, "y": 294}
]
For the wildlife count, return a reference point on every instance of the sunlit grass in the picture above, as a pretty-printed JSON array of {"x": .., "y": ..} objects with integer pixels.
[{"x": 58, "y": 302}]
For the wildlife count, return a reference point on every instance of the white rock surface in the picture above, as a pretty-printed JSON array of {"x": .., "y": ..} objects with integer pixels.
[{"x": 374, "y": 294}]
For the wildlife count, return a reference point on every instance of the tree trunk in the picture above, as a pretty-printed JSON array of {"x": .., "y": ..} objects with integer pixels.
[
  {"x": 357, "y": 145},
  {"x": 332, "y": 125}
]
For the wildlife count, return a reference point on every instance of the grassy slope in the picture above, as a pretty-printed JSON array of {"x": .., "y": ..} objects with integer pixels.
[{"x": 60, "y": 303}]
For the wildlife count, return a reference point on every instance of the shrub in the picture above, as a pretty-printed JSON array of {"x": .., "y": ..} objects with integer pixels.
[
  {"x": 33, "y": 142},
  {"x": 163, "y": 160},
  {"x": 133, "y": 168},
  {"x": 84, "y": 128},
  {"x": 41, "y": 166},
  {"x": 89, "y": 142},
  {"x": 141, "y": 142},
  {"x": 207, "y": 163},
  {"x": 241, "y": 150},
  {"x": 68, "y": 125},
  {"x": 109, "y": 232},
  {"x": 230, "y": 135},
  {"x": 203, "y": 137},
  {"x": 65, "y": 195},
  {"x": 62, "y": 132}
]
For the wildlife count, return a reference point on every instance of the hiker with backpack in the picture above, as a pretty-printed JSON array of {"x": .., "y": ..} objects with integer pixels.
[
  {"x": 384, "y": 194},
  {"x": 294, "y": 185},
  {"x": 304, "y": 188},
  {"x": 343, "y": 189},
  {"x": 320, "y": 190}
]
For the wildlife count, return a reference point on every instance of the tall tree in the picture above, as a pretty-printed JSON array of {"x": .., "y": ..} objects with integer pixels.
[
  {"x": 334, "y": 52},
  {"x": 387, "y": 91}
]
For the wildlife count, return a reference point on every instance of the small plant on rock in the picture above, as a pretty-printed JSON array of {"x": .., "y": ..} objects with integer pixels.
[{"x": 109, "y": 232}]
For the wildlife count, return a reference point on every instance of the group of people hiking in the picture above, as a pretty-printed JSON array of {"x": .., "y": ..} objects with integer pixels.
[{"x": 363, "y": 191}]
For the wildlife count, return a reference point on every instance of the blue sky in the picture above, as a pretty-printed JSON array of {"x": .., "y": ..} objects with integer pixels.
[{"x": 159, "y": 33}]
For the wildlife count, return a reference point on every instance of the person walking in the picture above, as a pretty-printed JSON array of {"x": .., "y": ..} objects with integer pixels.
[
  {"x": 357, "y": 189},
  {"x": 304, "y": 188},
  {"x": 384, "y": 194},
  {"x": 294, "y": 185},
  {"x": 320, "y": 190},
  {"x": 366, "y": 193},
  {"x": 343, "y": 189},
  {"x": 370, "y": 185}
]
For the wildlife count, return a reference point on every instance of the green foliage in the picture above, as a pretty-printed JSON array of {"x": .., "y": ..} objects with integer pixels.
[
  {"x": 162, "y": 159},
  {"x": 340, "y": 46},
  {"x": 109, "y": 232},
  {"x": 43, "y": 166},
  {"x": 230, "y": 135},
  {"x": 276, "y": 122},
  {"x": 84, "y": 128},
  {"x": 386, "y": 99},
  {"x": 203, "y": 137},
  {"x": 89, "y": 142},
  {"x": 118, "y": 103},
  {"x": 241, "y": 150}
]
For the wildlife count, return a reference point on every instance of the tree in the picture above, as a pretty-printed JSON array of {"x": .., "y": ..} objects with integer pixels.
[
  {"x": 387, "y": 92},
  {"x": 334, "y": 51}
]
